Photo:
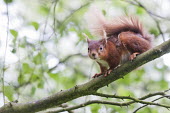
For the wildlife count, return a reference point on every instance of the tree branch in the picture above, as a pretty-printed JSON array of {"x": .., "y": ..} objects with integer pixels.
[
  {"x": 90, "y": 87},
  {"x": 153, "y": 101},
  {"x": 146, "y": 104},
  {"x": 129, "y": 97},
  {"x": 120, "y": 104},
  {"x": 134, "y": 100}
]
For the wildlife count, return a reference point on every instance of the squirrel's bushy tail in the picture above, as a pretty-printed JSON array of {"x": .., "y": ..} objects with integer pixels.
[{"x": 97, "y": 23}]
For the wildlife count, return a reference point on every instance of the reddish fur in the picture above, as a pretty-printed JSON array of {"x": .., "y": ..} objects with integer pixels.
[
  {"x": 113, "y": 55},
  {"x": 125, "y": 36}
]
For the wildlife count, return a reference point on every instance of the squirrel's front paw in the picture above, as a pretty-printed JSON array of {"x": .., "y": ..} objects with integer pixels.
[
  {"x": 97, "y": 75},
  {"x": 107, "y": 72}
]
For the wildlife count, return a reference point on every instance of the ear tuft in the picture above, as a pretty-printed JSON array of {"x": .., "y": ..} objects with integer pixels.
[
  {"x": 87, "y": 38},
  {"x": 104, "y": 36}
]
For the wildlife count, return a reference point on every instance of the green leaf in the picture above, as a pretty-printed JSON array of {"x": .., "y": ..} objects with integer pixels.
[
  {"x": 40, "y": 84},
  {"x": 95, "y": 108},
  {"x": 163, "y": 84},
  {"x": 9, "y": 91},
  {"x": 13, "y": 50},
  {"x": 104, "y": 12},
  {"x": 55, "y": 76},
  {"x": 154, "y": 31},
  {"x": 37, "y": 59},
  {"x": 21, "y": 79},
  {"x": 35, "y": 25},
  {"x": 140, "y": 11},
  {"x": 14, "y": 33},
  {"x": 44, "y": 10},
  {"x": 72, "y": 29},
  {"x": 123, "y": 91},
  {"x": 34, "y": 77},
  {"x": 8, "y": 1},
  {"x": 33, "y": 89},
  {"x": 26, "y": 68}
]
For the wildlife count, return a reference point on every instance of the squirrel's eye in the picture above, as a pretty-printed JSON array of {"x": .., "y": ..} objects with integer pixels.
[
  {"x": 101, "y": 48},
  {"x": 88, "y": 49}
]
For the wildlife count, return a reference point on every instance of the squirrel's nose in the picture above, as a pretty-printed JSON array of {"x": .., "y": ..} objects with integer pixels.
[{"x": 93, "y": 54}]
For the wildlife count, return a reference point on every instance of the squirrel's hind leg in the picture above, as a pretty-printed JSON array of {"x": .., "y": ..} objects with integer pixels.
[{"x": 134, "y": 43}]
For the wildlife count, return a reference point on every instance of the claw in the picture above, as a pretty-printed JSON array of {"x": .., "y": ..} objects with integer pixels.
[
  {"x": 133, "y": 56},
  {"x": 107, "y": 72},
  {"x": 97, "y": 75}
]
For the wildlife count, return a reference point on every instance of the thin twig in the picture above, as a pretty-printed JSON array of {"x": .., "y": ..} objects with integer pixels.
[
  {"x": 137, "y": 3},
  {"x": 64, "y": 60},
  {"x": 147, "y": 105},
  {"x": 65, "y": 106},
  {"x": 159, "y": 29},
  {"x": 40, "y": 49},
  {"x": 89, "y": 79},
  {"x": 54, "y": 19},
  {"x": 129, "y": 97},
  {"x": 6, "y": 45},
  {"x": 151, "y": 101},
  {"x": 151, "y": 14},
  {"x": 71, "y": 14}
]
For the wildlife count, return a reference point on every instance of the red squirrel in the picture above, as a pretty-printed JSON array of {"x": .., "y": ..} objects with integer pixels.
[{"x": 122, "y": 39}]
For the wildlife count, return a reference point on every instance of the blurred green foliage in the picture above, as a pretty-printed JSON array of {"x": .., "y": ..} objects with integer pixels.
[{"x": 54, "y": 32}]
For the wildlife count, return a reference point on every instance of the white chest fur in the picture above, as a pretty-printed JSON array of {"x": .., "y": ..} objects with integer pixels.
[{"x": 103, "y": 63}]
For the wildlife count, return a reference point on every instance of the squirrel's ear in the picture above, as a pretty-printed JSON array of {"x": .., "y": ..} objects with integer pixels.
[
  {"x": 104, "y": 34},
  {"x": 104, "y": 37},
  {"x": 87, "y": 38}
]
